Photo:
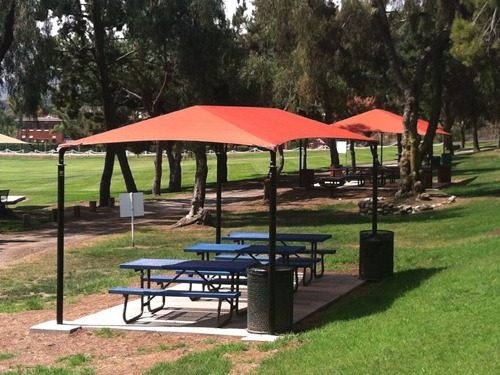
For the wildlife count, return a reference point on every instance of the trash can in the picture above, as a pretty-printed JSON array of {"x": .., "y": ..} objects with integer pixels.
[
  {"x": 446, "y": 160},
  {"x": 258, "y": 300},
  {"x": 307, "y": 178},
  {"x": 427, "y": 178},
  {"x": 444, "y": 174},
  {"x": 376, "y": 254},
  {"x": 436, "y": 161}
]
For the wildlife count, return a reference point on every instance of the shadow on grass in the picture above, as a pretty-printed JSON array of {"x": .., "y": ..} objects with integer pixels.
[
  {"x": 487, "y": 189},
  {"x": 371, "y": 298},
  {"x": 328, "y": 216}
]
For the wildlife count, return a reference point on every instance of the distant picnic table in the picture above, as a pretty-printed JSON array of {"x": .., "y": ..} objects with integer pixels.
[{"x": 6, "y": 199}]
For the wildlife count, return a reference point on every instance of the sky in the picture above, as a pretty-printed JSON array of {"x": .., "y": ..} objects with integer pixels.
[{"x": 231, "y": 7}]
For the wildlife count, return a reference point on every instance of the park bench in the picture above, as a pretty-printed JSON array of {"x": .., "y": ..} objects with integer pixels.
[
  {"x": 147, "y": 294},
  {"x": 6, "y": 200}
]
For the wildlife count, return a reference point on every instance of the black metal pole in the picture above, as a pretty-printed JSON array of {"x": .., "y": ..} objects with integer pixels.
[
  {"x": 374, "y": 191},
  {"x": 300, "y": 162},
  {"x": 272, "y": 243},
  {"x": 381, "y": 148},
  {"x": 60, "y": 237},
  {"x": 218, "y": 153}
]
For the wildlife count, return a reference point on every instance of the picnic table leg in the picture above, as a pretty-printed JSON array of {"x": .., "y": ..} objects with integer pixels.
[{"x": 134, "y": 318}]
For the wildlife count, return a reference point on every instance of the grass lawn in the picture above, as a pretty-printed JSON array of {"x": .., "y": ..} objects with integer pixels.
[{"x": 438, "y": 314}]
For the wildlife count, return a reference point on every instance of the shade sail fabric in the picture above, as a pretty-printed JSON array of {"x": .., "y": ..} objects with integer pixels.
[
  {"x": 378, "y": 120},
  {"x": 253, "y": 126},
  {"x": 7, "y": 139}
]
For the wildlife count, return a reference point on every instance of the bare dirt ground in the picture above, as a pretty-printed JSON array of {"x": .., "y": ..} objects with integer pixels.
[{"x": 129, "y": 352}]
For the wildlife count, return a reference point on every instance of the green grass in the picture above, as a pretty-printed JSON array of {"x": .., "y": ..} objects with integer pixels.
[
  {"x": 438, "y": 314},
  {"x": 209, "y": 362}
]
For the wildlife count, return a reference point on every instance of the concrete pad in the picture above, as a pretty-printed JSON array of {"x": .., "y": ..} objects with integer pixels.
[
  {"x": 181, "y": 315},
  {"x": 52, "y": 327}
]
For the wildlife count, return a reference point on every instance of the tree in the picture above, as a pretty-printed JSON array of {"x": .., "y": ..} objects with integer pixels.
[
  {"x": 476, "y": 46},
  {"x": 90, "y": 55},
  {"x": 429, "y": 33},
  {"x": 7, "y": 21},
  {"x": 25, "y": 54}
]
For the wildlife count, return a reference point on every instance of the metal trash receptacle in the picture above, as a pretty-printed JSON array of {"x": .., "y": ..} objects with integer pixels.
[
  {"x": 446, "y": 160},
  {"x": 258, "y": 300},
  {"x": 307, "y": 178},
  {"x": 444, "y": 174},
  {"x": 376, "y": 254}
]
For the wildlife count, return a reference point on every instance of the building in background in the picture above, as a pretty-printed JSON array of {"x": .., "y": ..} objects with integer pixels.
[{"x": 40, "y": 130}]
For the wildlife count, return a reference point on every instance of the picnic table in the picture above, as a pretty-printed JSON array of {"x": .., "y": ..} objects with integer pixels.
[
  {"x": 332, "y": 182},
  {"x": 6, "y": 199},
  {"x": 289, "y": 256},
  {"x": 284, "y": 238},
  {"x": 202, "y": 269}
]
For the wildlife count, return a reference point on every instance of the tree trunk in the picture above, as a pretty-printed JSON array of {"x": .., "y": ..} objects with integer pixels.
[
  {"x": 197, "y": 213},
  {"x": 353, "y": 153},
  {"x": 462, "y": 136},
  {"x": 282, "y": 161},
  {"x": 475, "y": 137},
  {"x": 334, "y": 154},
  {"x": 498, "y": 143},
  {"x": 409, "y": 182},
  {"x": 125, "y": 168},
  {"x": 412, "y": 156},
  {"x": 109, "y": 109},
  {"x": 399, "y": 139},
  {"x": 8, "y": 31},
  {"x": 156, "y": 188},
  {"x": 107, "y": 173},
  {"x": 174, "y": 157}
]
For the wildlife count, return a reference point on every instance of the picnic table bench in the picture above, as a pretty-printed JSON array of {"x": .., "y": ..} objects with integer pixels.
[
  {"x": 332, "y": 183},
  {"x": 201, "y": 268},
  {"x": 150, "y": 293}
]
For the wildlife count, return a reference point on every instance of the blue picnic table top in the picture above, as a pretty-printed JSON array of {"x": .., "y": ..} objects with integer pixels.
[
  {"x": 242, "y": 249},
  {"x": 189, "y": 265},
  {"x": 282, "y": 237}
]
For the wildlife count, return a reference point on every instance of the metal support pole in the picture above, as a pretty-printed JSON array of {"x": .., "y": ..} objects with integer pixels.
[
  {"x": 375, "y": 191},
  {"x": 272, "y": 242},
  {"x": 60, "y": 237},
  {"x": 218, "y": 203}
]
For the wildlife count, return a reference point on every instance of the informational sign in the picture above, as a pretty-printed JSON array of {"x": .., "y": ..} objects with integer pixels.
[
  {"x": 132, "y": 205},
  {"x": 342, "y": 147}
]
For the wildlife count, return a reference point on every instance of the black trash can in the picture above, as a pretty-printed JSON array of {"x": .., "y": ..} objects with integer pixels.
[
  {"x": 446, "y": 160},
  {"x": 307, "y": 178},
  {"x": 376, "y": 254},
  {"x": 444, "y": 174},
  {"x": 427, "y": 178},
  {"x": 258, "y": 300}
]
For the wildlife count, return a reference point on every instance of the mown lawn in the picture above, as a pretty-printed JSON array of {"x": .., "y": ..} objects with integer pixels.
[{"x": 438, "y": 314}]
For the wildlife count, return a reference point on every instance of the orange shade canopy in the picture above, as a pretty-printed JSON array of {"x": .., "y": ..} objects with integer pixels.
[
  {"x": 254, "y": 126},
  {"x": 378, "y": 120}
]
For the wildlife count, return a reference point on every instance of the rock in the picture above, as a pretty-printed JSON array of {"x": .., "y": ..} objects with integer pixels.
[{"x": 424, "y": 197}]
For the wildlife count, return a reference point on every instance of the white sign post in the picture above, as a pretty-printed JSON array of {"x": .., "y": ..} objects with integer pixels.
[
  {"x": 132, "y": 205},
  {"x": 342, "y": 148}
]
